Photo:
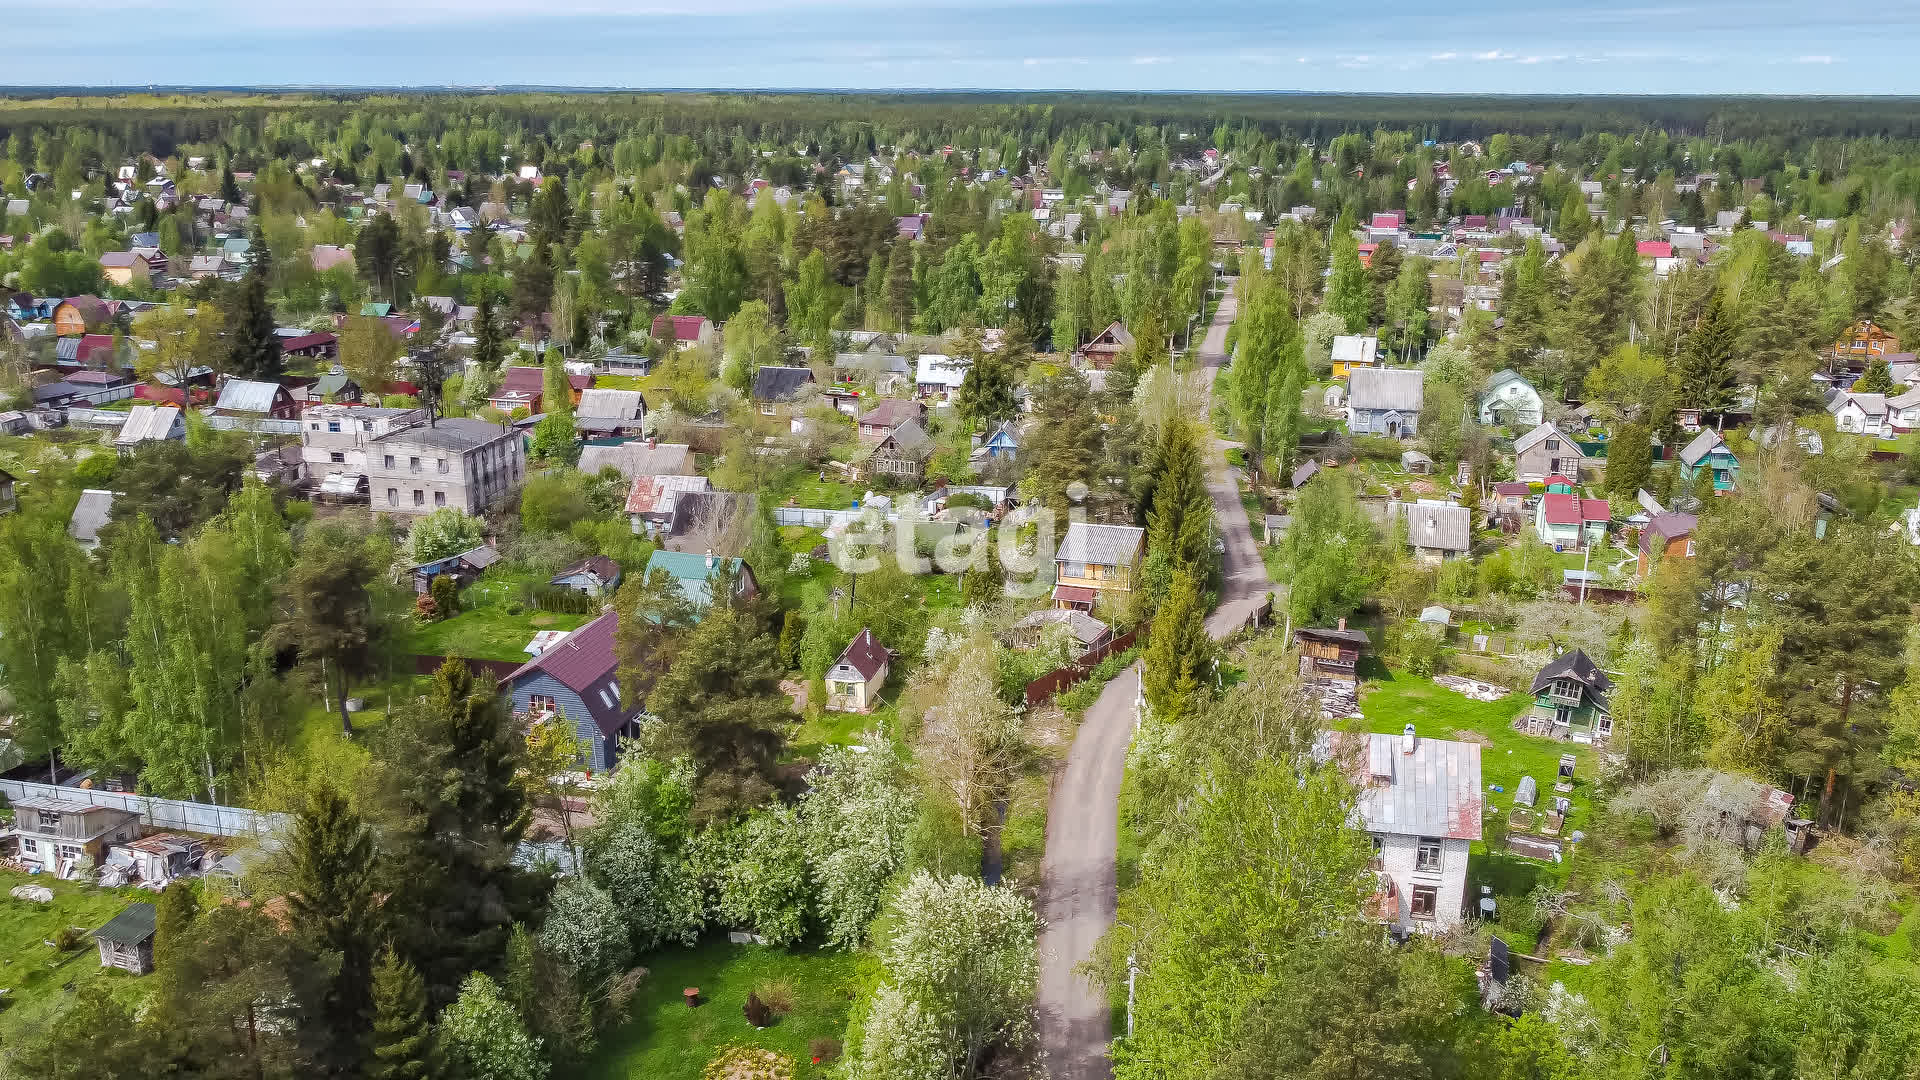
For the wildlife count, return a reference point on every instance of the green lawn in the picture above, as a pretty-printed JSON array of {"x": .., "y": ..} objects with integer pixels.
[
  {"x": 489, "y": 633},
  {"x": 806, "y": 488},
  {"x": 33, "y": 975},
  {"x": 665, "y": 1040},
  {"x": 845, "y": 729}
]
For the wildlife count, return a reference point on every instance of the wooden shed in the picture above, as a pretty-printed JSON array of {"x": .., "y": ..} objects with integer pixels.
[{"x": 126, "y": 942}]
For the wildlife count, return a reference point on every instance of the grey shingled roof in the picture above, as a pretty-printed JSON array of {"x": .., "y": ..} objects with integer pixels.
[
  {"x": 638, "y": 459},
  {"x": 1700, "y": 447},
  {"x": 780, "y": 383},
  {"x": 611, "y": 404},
  {"x": 1533, "y": 438},
  {"x": 1434, "y": 791},
  {"x": 1444, "y": 528},
  {"x": 1107, "y": 545},
  {"x": 90, "y": 515},
  {"x": 457, "y": 434},
  {"x": 1577, "y": 665},
  {"x": 1398, "y": 389}
]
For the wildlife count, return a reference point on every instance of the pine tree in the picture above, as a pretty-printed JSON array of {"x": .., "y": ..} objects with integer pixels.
[
  {"x": 330, "y": 917},
  {"x": 402, "y": 1039},
  {"x": 1179, "y": 652},
  {"x": 489, "y": 346}
]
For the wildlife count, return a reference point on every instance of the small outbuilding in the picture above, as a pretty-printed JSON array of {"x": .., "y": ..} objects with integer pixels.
[
  {"x": 854, "y": 681},
  {"x": 126, "y": 942}
]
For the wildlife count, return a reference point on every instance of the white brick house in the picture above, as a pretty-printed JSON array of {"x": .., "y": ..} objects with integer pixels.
[{"x": 1420, "y": 800}]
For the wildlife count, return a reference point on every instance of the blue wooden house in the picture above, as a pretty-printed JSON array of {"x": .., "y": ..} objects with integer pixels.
[
  {"x": 1004, "y": 442},
  {"x": 24, "y": 307},
  {"x": 577, "y": 677},
  {"x": 1710, "y": 452}
]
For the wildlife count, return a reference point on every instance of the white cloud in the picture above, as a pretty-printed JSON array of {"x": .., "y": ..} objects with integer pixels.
[
  {"x": 1814, "y": 59},
  {"x": 1355, "y": 61},
  {"x": 1152, "y": 60},
  {"x": 1493, "y": 54},
  {"x": 1531, "y": 59},
  {"x": 1445, "y": 56},
  {"x": 1299, "y": 59}
]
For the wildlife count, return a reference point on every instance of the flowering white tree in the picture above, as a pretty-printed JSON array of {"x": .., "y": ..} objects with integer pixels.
[
  {"x": 854, "y": 820},
  {"x": 961, "y": 977},
  {"x": 485, "y": 1038},
  {"x": 764, "y": 883},
  {"x": 584, "y": 930},
  {"x": 444, "y": 532}
]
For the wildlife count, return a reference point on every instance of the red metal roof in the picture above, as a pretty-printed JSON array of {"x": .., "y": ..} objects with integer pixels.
[
  {"x": 528, "y": 379},
  {"x": 1074, "y": 594},
  {"x": 678, "y": 327},
  {"x": 1654, "y": 249},
  {"x": 1573, "y": 510},
  {"x": 865, "y": 655},
  {"x": 1511, "y": 487},
  {"x": 307, "y": 341}
]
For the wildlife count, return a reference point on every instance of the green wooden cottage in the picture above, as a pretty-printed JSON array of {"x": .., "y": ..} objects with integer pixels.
[{"x": 1570, "y": 701}]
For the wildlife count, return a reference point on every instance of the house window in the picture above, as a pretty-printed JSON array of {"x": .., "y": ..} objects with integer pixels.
[
  {"x": 1076, "y": 569},
  {"x": 337, "y": 457},
  {"x": 1428, "y": 858},
  {"x": 540, "y": 703},
  {"x": 419, "y": 497},
  {"x": 70, "y": 851},
  {"x": 393, "y": 496},
  {"x": 1605, "y": 724},
  {"x": 29, "y": 846},
  {"x": 49, "y": 819},
  {"x": 316, "y": 425},
  {"x": 439, "y": 498},
  {"x": 1426, "y": 900},
  {"x": 388, "y": 461},
  {"x": 366, "y": 425},
  {"x": 333, "y": 426},
  {"x": 442, "y": 462},
  {"x": 1689, "y": 549},
  {"x": 1553, "y": 444},
  {"x": 413, "y": 463},
  {"x": 1379, "y": 843}
]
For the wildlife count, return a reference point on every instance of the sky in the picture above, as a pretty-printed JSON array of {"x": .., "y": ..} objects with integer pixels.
[{"x": 1395, "y": 46}]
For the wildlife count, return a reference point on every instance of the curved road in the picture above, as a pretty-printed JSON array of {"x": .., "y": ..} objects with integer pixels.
[{"x": 1078, "y": 891}]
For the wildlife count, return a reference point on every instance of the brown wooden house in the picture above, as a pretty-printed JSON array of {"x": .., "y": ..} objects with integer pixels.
[
  {"x": 79, "y": 315},
  {"x": 1331, "y": 655}
]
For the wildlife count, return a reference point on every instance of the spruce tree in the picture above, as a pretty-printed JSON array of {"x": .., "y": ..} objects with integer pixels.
[
  {"x": 402, "y": 1039},
  {"x": 443, "y": 777},
  {"x": 330, "y": 915},
  {"x": 255, "y": 350},
  {"x": 1179, "y": 652},
  {"x": 1178, "y": 524},
  {"x": 1706, "y": 366},
  {"x": 488, "y": 344}
]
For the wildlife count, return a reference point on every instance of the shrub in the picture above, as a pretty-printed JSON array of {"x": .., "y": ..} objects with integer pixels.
[
  {"x": 65, "y": 938},
  {"x": 824, "y": 1051},
  {"x": 757, "y": 1012},
  {"x": 777, "y": 994},
  {"x": 446, "y": 595}
]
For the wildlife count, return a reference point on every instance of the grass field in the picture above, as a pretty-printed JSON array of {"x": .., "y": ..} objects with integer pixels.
[
  {"x": 489, "y": 633},
  {"x": 665, "y": 1040},
  {"x": 33, "y": 975}
]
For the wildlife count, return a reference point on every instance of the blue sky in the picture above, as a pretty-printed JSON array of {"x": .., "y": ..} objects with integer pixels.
[{"x": 1487, "y": 46}]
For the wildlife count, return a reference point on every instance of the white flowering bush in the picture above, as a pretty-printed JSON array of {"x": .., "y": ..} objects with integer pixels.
[
  {"x": 854, "y": 821},
  {"x": 961, "y": 974},
  {"x": 584, "y": 930},
  {"x": 801, "y": 563},
  {"x": 657, "y": 894},
  {"x": 764, "y": 885},
  {"x": 484, "y": 1037}
]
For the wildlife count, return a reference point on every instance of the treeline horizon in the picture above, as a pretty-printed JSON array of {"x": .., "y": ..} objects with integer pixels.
[{"x": 1311, "y": 116}]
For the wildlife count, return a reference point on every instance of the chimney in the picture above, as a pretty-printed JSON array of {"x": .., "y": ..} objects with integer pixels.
[
  {"x": 1407, "y": 740},
  {"x": 653, "y": 442},
  {"x": 1343, "y": 623}
]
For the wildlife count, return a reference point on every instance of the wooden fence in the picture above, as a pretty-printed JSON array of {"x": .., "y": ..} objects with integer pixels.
[
  {"x": 1046, "y": 686},
  {"x": 499, "y": 669}
]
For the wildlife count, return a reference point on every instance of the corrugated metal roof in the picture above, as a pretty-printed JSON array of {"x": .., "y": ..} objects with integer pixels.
[
  {"x": 147, "y": 423},
  {"x": 611, "y": 404},
  {"x": 90, "y": 515},
  {"x": 1434, "y": 791},
  {"x": 1399, "y": 389},
  {"x": 1107, "y": 545},
  {"x": 637, "y": 458},
  {"x": 247, "y": 395}
]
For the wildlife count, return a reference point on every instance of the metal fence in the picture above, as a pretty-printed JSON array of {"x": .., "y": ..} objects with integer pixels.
[
  {"x": 104, "y": 394},
  {"x": 193, "y": 817},
  {"x": 812, "y": 518},
  {"x": 264, "y": 425},
  {"x": 100, "y": 418}
]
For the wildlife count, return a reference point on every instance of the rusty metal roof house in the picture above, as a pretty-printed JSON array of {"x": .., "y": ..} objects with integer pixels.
[{"x": 1413, "y": 786}]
